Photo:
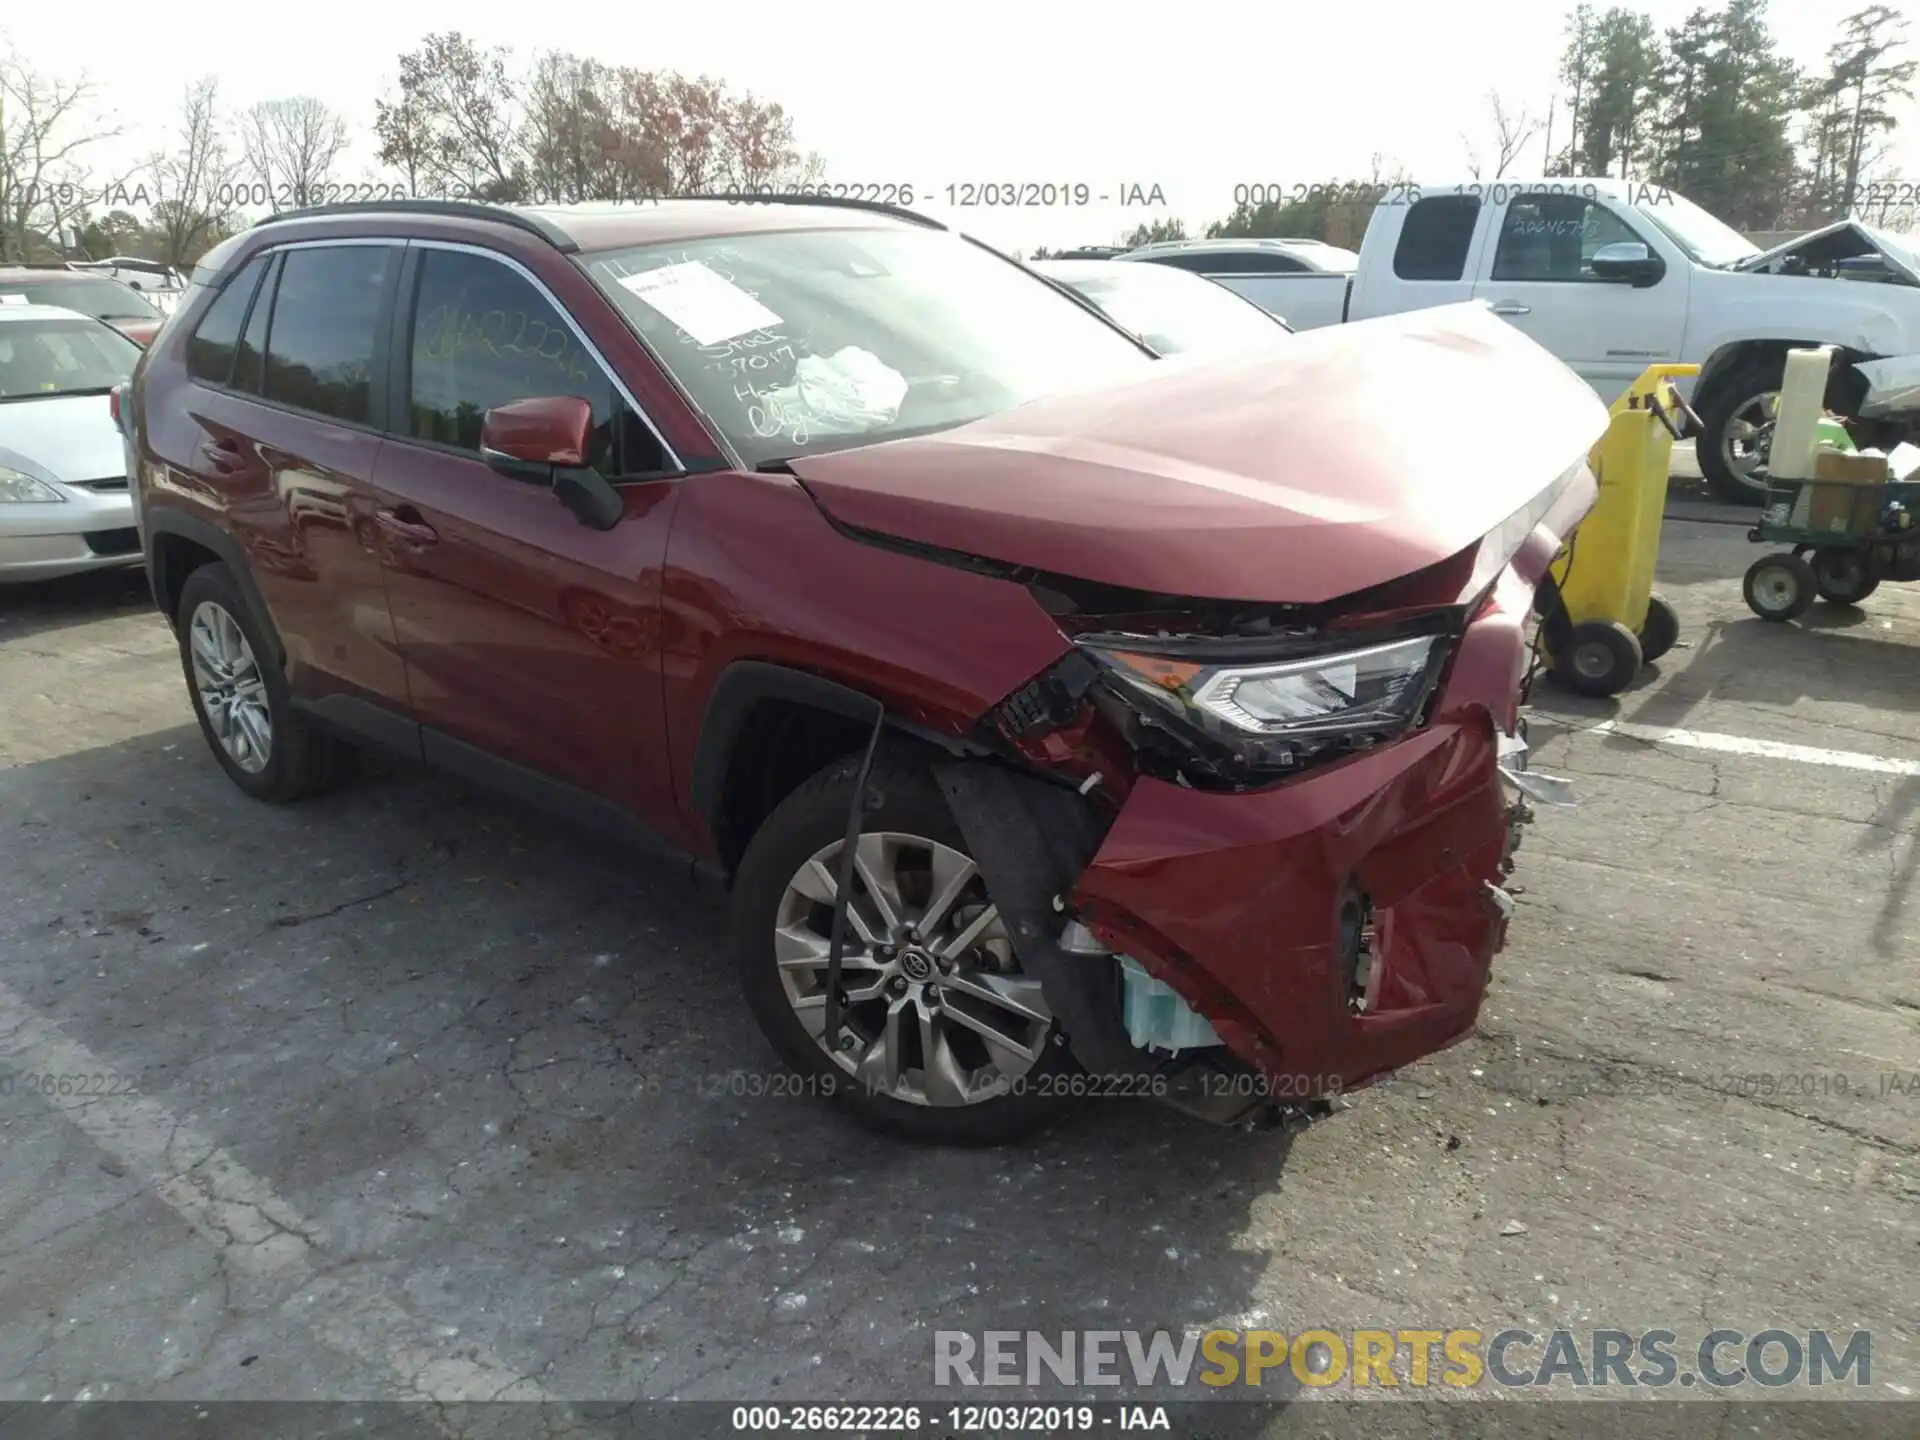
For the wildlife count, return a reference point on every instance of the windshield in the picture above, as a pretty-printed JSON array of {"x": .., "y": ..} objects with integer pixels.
[
  {"x": 1174, "y": 312},
  {"x": 1707, "y": 240},
  {"x": 809, "y": 340},
  {"x": 44, "y": 358},
  {"x": 102, "y": 299}
]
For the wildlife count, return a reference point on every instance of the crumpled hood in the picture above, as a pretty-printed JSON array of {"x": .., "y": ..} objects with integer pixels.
[
  {"x": 1345, "y": 458},
  {"x": 1840, "y": 240},
  {"x": 69, "y": 438}
]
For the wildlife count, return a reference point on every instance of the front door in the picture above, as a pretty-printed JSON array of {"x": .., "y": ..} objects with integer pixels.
[
  {"x": 1541, "y": 281},
  {"x": 531, "y": 641}
]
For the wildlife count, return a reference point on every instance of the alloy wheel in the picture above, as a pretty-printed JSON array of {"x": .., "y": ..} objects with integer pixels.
[
  {"x": 233, "y": 693},
  {"x": 934, "y": 1007},
  {"x": 1747, "y": 442}
]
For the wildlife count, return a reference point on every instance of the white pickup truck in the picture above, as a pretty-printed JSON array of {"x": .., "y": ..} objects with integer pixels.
[{"x": 1616, "y": 275}]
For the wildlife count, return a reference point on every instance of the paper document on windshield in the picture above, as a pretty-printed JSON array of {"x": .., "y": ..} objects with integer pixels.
[{"x": 700, "y": 301}]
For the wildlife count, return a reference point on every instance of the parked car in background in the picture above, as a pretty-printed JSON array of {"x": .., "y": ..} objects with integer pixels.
[
  {"x": 1298, "y": 255},
  {"x": 1303, "y": 281},
  {"x": 1145, "y": 687},
  {"x": 1175, "y": 312},
  {"x": 159, "y": 284},
  {"x": 1615, "y": 275},
  {"x": 64, "y": 501},
  {"x": 94, "y": 295}
]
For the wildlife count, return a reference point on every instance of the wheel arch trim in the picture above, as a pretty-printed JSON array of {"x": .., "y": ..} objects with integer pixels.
[{"x": 165, "y": 520}]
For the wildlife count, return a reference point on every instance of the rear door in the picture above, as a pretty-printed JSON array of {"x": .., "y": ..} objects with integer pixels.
[
  {"x": 1539, "y": 276},
  {"x": 1418, "y": 255},
  {"x": 532, "y": 642},
  {"x": 283, "y": 435}
]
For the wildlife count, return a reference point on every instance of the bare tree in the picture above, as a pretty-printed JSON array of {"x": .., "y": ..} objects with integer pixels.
[
  {"x": 44, "y": 125},
  {"x": 1512, "y": 133},
  {"x": 192, "y": 179},
  {"x": 453, "y": 127},
  {"x": 290, "y": 148}
]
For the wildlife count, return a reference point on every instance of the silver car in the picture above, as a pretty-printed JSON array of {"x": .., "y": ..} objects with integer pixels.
[
  {"x": 64, "y": 503},
  {"x": 1175, "y": 312}
]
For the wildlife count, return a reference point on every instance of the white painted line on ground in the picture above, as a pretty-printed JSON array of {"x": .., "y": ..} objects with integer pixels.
[
  {"x": 1763, "y": 749},
  {"x": 256, "y": 1232}
]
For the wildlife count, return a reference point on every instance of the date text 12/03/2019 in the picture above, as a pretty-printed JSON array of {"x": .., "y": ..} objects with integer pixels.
[{"x": 963, "y": 194}]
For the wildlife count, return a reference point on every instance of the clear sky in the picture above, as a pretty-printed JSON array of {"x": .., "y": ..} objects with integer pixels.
[{"x": 1194, "y": 100}]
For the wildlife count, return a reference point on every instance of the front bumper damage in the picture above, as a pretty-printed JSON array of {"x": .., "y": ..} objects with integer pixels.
[{"x": 1330, "y": 929}]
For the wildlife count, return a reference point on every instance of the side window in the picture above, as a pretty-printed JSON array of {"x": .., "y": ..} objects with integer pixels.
[
  {"x": 1195, "y": 263},
  {"x": 325, "y": 327},
  {"x": 1249, "y": 262},
  {"x": 483, "y": 335},
  {"x": 1435, "y": 238},
  {"x": 249, "y": 363},
  {"x": 1553, "y": 237},
  {"x": 210, "y": 349}
]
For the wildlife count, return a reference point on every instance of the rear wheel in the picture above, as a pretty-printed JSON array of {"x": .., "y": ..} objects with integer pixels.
[
  {"x": 943, "y": 1035},
  {"x": 1779, "y": 587},
  {"x": 240, "y": 697},
  {"x": 1845, "y": 577}
]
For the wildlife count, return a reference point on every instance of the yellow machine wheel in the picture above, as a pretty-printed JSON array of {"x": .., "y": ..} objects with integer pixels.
[
  {"x": 1600, "y": 657},
  {"x": 1660, "y": 630}
]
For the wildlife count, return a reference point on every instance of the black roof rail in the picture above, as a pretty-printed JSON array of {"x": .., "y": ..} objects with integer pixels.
[
  {"x": 425, "y": 206},
  {"x": 802, "y": 197}
]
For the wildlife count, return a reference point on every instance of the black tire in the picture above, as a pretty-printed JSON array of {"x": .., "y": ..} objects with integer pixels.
[
  {"x": 1779, "y": 587},
  {"x": 901, "y": 797},
  {"x": 1718, "y": 409},
  {"x": 1845, "y": 577},
  {"x": 1660, "y": 631},
  {"x": 301, "y": 761},
  {"x": 1600, "y": 658}
]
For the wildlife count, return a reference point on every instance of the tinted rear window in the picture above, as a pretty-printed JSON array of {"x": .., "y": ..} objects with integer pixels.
[
  {"x": 210, "y": 350},
  {"x": 325, "y": 328},
  {"x": 1435, "y": 238}
]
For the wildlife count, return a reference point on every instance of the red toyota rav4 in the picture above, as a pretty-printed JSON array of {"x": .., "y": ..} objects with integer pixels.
[{"x": 1063, "y": 720}]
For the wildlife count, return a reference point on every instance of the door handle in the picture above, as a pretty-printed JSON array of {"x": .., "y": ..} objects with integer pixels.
[
  {"x": 1512, "y": 307},
  {"x": 223, "y": 455},
  {"x": 405, "y": 522}
]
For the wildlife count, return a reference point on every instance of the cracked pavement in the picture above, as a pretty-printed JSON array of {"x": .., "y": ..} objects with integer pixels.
[{"x": 404, "y": 1093}]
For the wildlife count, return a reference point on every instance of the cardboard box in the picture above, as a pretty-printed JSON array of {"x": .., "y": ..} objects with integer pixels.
[{"x": 1848, "y": 493}]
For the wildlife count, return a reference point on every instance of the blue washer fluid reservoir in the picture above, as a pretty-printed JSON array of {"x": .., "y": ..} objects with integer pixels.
[{"x": 1157, "y": 1018}]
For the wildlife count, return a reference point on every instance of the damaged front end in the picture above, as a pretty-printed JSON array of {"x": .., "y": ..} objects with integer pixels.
[
  {"x": 1250, "y": 829},
  {"x": 1258, "y": 852}
]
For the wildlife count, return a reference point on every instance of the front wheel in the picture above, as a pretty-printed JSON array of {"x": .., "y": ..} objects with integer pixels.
[
  {"x": 943, "y": 1036},
  {"x": 1737, "y": 419},
  {"x": 1779, "y": 587},
  {"x": 1845, "y": 577}
]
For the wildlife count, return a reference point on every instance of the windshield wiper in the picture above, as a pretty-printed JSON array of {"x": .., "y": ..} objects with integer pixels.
[{"x": 774, "y": 467}]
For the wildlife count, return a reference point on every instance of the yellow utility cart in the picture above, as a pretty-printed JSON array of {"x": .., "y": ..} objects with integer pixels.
[{"x": 1601, "y": 620}]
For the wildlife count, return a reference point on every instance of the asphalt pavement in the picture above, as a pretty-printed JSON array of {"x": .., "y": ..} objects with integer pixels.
[{"x": 408, "y": 1094}]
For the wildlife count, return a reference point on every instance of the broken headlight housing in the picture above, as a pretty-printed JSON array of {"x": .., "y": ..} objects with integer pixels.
[{"x": 1254, "y": 719}]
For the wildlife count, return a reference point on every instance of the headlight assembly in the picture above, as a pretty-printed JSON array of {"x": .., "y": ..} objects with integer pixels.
[
  {"x": 17, "y": 488},
  {"x": 1260, "y": 718}
]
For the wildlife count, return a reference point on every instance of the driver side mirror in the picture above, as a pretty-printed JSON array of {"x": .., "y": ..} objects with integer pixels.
[
  {"x": 1629, "y": 261},
  {"x": 544, "y": 441}
]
